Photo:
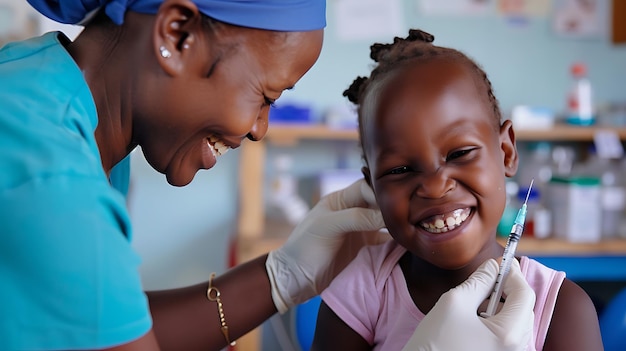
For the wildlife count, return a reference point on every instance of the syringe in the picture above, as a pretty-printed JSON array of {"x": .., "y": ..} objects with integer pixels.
[{"x": 508, "y": 257}]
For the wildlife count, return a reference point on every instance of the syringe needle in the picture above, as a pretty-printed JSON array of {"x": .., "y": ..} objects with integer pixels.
[
  {"x": 528, "y": 193},
  {"x": 508, "y": 256}
]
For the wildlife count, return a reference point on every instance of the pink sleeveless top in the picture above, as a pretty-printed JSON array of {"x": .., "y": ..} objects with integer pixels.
[{"x": 371, "y": 297}]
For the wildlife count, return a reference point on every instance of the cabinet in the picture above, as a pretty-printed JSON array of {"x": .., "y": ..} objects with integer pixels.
[
  {"x": 257, "y": 236},
  {"x": 618, "y": 28}
]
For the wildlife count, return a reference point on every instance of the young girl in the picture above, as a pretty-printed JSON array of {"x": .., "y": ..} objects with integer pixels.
[{"x": 436, "y": 155}]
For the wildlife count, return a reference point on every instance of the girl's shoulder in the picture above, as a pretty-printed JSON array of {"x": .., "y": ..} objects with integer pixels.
[{"x": 565, "y": 316}]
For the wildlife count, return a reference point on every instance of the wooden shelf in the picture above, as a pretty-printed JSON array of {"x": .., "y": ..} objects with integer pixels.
[
  {"x": 275, "y": 233},
  {"x": 291, "y": 134},
  {"x": 555, "y": 247},
  {"x": 565, "y": 133}
]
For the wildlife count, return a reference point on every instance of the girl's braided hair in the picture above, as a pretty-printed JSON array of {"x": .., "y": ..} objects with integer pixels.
[{"x": 416, "y": 47}]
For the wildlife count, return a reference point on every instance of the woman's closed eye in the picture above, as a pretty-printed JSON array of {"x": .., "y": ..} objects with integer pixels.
[{"x": 269, "y": 102}]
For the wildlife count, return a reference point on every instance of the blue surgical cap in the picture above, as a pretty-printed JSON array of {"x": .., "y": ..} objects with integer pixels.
[{"x": 279, "y": 15}]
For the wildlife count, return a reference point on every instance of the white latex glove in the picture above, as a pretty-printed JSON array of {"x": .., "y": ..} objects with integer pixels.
[
  {"x": 322, "y": 244},
  {"x": 453, "y": 323}
]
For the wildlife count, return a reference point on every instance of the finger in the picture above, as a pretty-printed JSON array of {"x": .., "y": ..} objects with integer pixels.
[
  {"x": 520, "y": 297},
  {"x": 368, "y": 195},
  {"x": 479, "y": 284},
  {"x": 351, "y": 196},
  {"x": 356, "y": 219}
]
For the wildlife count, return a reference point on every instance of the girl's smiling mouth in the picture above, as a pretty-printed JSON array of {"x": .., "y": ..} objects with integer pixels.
[{"x": 445, "y": 222}]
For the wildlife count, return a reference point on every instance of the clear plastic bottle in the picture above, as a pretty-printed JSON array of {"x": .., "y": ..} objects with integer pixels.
[
  {"x": 613, "y": 199},
  {"x": 284, "y": 197},
  {"x": 580, "y": 109},
  {"x": 612, "y": 191}
]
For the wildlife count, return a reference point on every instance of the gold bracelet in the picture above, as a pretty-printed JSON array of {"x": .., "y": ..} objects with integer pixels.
[{"x": 214, "y": 295}]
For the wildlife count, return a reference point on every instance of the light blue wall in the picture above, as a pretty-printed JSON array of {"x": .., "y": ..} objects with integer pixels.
[
  {"x": 527, "y": 64},
  {"x": 182, "y": 233}
]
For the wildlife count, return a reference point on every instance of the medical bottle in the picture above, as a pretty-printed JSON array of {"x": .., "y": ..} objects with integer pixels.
[
  {"x": 538, "y": 219},
  {"x": 580, "y": 110},
  {"x": 613, "y": 198},
  {"x": 612, "y": 190},
  {"x": 542, "y": 217},
  {"x": 510, "y": 210},
  {"x": 283, "y": 196}
]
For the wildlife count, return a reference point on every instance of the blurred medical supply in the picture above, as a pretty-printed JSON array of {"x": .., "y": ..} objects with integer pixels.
[
  {"x": 531, "y": 117},
  {"x": 580, "y": 108},
  {"x": 291, "y": 113},
  {"x": 576, "y": 213},
  {"x": 284, "y": 200}
]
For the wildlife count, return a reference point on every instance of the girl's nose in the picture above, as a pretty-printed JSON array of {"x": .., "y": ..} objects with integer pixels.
[
  {"x": 259, "y": 129},
  {"x": 434, "y": 184}
]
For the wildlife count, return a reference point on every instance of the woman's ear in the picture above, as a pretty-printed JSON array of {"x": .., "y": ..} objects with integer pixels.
[
  {"x": 507, "y": 144},
  {"x": 366, "y": 175},
  {"x": 176, "y": 28}
]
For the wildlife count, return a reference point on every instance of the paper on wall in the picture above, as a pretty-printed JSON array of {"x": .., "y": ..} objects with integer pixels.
[{"x": 368, "y": 19}]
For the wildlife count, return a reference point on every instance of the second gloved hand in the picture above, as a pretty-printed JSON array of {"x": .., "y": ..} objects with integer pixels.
[
  {"x": 318, "y": 249},
  {"x": 453, "y": 323}
]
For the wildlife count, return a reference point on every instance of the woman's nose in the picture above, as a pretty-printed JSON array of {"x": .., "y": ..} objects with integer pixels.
[
  {"x": 434, "y": 184},
  {"x": 259, "y": 129}
]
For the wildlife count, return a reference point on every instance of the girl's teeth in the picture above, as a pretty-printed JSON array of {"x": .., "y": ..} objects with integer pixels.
[
  {"x": 450, "y": 221},
  {"x": 439, "y": 224},
  {"x": 444, "y": 224}
]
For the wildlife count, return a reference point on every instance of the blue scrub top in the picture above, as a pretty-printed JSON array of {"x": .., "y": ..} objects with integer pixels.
[{"x": 69, "y": 276}]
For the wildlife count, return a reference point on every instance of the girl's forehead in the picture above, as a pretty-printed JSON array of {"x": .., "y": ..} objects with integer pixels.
[
  {"x": 426, "y": 94},
  {"x": 423, "y": 86}
]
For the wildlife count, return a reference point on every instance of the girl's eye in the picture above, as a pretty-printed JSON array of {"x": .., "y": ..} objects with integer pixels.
[
  {"x": 399, "y": 170},
  {"x": 459, "y": 154}
]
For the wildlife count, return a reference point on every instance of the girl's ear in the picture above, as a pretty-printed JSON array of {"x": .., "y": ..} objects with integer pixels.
[
  {"x": 507, "y": 144},
  {"x": 177, "y": 27}
]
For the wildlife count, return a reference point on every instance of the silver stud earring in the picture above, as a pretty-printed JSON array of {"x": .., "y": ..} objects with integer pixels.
[{"x": 165, "y": 53}]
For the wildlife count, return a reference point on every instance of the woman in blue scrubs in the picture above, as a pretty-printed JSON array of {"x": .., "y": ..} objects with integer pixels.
[{"x": 186, "y": 80}]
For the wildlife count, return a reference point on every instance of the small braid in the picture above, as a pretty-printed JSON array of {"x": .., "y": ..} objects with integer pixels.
[
  {"x": 417, "y": 46},
  {"x": 353, "y": 92}
]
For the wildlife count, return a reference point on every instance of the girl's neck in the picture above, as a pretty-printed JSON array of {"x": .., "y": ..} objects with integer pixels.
[{"x": 426, "y": 282}]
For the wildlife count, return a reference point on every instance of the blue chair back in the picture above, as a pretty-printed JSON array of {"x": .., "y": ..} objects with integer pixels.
[
  {"x": 305, "y": 320},
  {"x": 613, "y": 323}
]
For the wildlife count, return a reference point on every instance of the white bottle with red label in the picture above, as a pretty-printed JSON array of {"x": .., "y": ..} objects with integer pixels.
[{"x": 580, "y": 109}]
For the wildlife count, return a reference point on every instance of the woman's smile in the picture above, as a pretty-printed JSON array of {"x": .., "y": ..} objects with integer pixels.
[{"x": 212, "y": 149}]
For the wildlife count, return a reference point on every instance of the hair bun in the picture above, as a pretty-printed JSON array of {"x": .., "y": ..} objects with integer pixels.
[{"x": 420, "y": 35}]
